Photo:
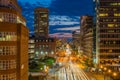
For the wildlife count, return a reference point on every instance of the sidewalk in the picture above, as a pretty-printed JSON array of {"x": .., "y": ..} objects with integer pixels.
[
  {"x": 94, "y": 76},
  {"x": 98, "y": 76}
]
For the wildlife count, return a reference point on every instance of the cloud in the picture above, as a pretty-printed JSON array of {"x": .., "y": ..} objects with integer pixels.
[
  {"x": 63, "y": 20},
  {"x": 62, "y": 16},
  {"x": 54, "y": 20},
  {"x": 69, "y": 28},
  {"x": 60, "y": 35},
  {"x": 63, "y": 23},
  {"x": 31, "y": 32}
]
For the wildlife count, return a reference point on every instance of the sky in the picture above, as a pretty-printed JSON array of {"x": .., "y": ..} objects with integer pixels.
[{"x": 64, "y": 15}]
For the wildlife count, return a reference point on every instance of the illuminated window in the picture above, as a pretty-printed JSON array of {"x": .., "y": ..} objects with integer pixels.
[
  {"x": 114, "y": 20},
  {"x": 113, "y": 4},
  {"x": 31, "y": 46},
  {"x": 103, "y": 14},
  {"x": 31, "y": 41},
  {"x": 7, "y": 50},
  {"x": 45, "y": 15},
  {"x": 110, "y": 50},
  {"x": 7, "y": 64},
  {"x": 114, "y": 9},
  {"x": 119, "y": 4},
  {"x": 8, "y": 76},
  {"x": 8, "y": 36},
  {"x": 1, "y": 17},
  {"x": 114, "y": 42},
  {"x": 41, "y": 31},
  {"x": 8, "y": 17},
  {"x": 116, "y": 14},
  {"x": 110, "y": 25},
  {"x": 31, "y": 51},
  {"x": 110, "y": 31}
]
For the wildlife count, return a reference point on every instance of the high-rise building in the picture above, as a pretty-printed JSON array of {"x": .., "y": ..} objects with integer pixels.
[
  {"x": 13, "y": 42},
  {"x": 44, "y": 46},
  {"x": 41, "y": 22},
  {"x": 86, "y": 35},
  {"x": 76, "y": 39},
  {"x": 108, "y": 33}
]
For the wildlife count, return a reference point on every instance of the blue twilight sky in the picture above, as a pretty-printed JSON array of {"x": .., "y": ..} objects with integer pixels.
[{"x": 64, "y": 15}]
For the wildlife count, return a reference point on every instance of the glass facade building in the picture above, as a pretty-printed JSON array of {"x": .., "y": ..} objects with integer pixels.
[
  {"x": 41, "y": 22},
  {"x": 108, "y": 33}
]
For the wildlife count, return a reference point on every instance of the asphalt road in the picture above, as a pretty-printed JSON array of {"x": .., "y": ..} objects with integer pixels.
[{"x": 71, "y": 71}]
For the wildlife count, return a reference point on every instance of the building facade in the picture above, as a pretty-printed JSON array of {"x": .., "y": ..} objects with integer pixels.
[
  {"x": 86, "y": 35},
  {"x": 76, "y": 40},
  {"x": 108, "y": 33},
  {"x": 13, "y": 42},
  {"x": 41, "y": 22},
  {"x": 31, "y": 47},
  {"x": 45, "y": 47}
]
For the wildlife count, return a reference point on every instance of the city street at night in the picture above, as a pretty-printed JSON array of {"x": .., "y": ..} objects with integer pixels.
[
  {"x": 70, "y": 71},
  {"x": 59, "y": 39}
]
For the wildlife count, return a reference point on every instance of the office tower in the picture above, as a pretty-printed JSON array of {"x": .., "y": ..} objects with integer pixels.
[
  {"x": 108, "y": 33},
  {"x": 44, "y": 46},
  {"x": 86, "y": 34},
  {"x": 76, "y": 39},
  {"x": 41, "y": 22},
  {"x": 13, "y": 42}
]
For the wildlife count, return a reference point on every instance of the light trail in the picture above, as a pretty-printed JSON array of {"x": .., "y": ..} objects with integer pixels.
[{"x": 71, "y": 72}]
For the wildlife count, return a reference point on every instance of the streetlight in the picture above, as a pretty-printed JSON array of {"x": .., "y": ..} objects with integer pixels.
[
  {"x": 114, "y": 74},
  {"x": 101, "y": 66},
  {"x": 104, "y": 69},
  {"x": 109, "y": 71}
]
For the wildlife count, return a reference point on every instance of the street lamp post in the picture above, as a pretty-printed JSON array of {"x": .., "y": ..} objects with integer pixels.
[
  {"x": 104, "y": 69},
  {"x": 109, "y": 71},
  {"x": 114, "y": 75}
]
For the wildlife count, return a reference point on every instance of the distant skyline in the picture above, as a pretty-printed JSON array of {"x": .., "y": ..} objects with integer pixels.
[{"x": 64, "y": 15}]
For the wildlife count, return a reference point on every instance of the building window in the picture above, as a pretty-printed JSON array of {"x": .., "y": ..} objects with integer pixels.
[
  {"x": 8, "y": 17},
  {"x": 103, "y": 14},
  {"x": 8, "y": 77},
  {"x": 7, "y": 50},
  {"x": 31, "y": 46},
  {"x": 116, "y": 14},
  {"x": 7, "y": 64},
  {"x": 31, "y": 41},
  {"x": 115, "y": 4},
  {"x": 111, "y": 25},
  {"x": 8, "y": 36}
]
